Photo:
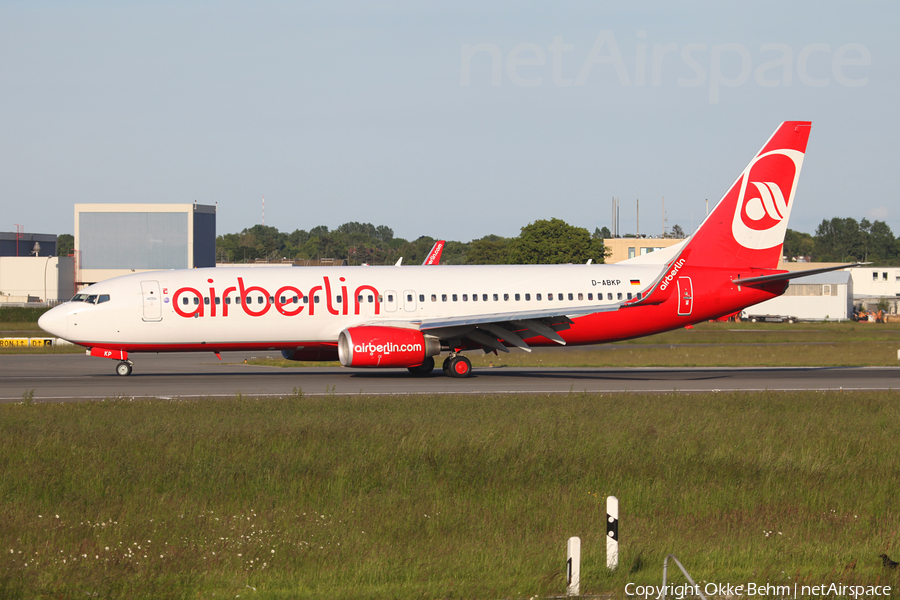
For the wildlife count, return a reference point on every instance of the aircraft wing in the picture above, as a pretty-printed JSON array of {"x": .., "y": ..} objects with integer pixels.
[{"x": 490, "y": 330}]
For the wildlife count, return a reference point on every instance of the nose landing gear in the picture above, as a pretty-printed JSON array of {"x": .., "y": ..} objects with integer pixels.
[{"x": 124, "y": 368}]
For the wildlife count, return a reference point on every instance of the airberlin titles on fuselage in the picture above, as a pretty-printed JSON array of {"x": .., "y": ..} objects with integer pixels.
[
  {"x": 288, "y": 300},
  {"x": 289, "y": 306}
]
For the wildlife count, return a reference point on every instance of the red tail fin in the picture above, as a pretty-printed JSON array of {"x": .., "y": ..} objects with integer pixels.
[{"x": 747, "y": 226}]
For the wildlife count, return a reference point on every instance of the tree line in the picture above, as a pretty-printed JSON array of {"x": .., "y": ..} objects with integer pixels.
[
  {"x": 845, "y": 240},
  {"x": 550, "y": 241}
]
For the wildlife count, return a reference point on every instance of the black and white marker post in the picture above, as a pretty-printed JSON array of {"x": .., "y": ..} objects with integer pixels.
[
  {"x": 612, "y": 532},
  {"x": 573, "y": 566}
]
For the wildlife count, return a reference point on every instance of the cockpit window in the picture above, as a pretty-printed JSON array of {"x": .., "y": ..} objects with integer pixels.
[
  {"x": 92, "y": 299},
  {"x": 79, "y": 297},
  {"x": 102, "y": 298}
]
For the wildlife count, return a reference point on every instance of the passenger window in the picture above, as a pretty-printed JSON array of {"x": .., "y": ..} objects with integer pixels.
[
  {"x": 421, "y": 297},
  {"x": 360, "y": 299},
  {"x": 638, "y": 295},
  {"x": 629, "y": 295},
  {"x": 305, "y": 299},
  {"x": 340, "y": 300},
  {"x": 537, "y": 297},
  {"x": 205, "y": 300},
  {"x": 580, "y": 296},
  {"x": 434, "y": 297},
  {"x": 380, "y": 299},
  {"x": 620, "y": 295},
  {"x": 528, "y": 297},
  {"x": 294, "y": 300},
  {"x": 571, "y": 298},
  {"x": 454, "y": 297},
  {"x": 390, "y": 297},
  {"x": 506, "y": 297},
  {"x": 316, "y": 299},
  {"x": 184, "y": 300},
  {"x": 218, "y": 300},
  {"x": 474, "y": 297},
  {"x": 371, "y": 299},
  {"x": 484, "y": 297},
  {"x": 227, "y": 299},
  {"x": 443, "y": 297},
  {"x": 271, "y": 299},
  {"x": 196, "y": 301},
  {"x": 496, "y": 297},
  {"x": 517, "y": 297},
  {"x": 550, "y": 297},
  {"x": 560, "y": 297},
  {"x": 465, "y": 297},
  {"x": 609, "y": 296},
  {"x": 409, "y": 297},
  {"x": 281, "y": 299}
]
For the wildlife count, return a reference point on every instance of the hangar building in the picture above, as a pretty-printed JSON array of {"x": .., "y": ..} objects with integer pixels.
[
  {"x": 116, "y": 239},
  {"x": 826, "y": 296}
]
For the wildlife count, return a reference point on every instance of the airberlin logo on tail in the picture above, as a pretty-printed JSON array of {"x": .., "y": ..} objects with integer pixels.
[{"x": 766, "y": 195}]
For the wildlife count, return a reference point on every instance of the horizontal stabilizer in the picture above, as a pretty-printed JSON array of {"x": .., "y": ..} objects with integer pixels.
[{"x": 792, "y": 275}]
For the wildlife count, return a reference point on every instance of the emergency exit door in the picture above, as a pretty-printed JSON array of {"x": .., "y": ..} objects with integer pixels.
[{"x": 685, "y": 296}]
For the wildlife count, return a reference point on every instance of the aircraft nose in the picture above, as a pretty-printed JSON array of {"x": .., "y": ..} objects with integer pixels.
[{"x": 55, "y": 321}]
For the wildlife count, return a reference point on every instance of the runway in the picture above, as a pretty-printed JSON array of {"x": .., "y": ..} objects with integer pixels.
[{"x": 62, "y": 377}]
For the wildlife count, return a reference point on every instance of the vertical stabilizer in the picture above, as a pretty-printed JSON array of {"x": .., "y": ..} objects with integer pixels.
[{"x": 746, "y": 228}]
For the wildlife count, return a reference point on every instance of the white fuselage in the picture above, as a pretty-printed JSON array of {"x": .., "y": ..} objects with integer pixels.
[{"x": 281, "y": 306}]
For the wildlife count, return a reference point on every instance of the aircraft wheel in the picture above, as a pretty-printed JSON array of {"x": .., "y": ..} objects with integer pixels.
[
  {"x": 123, "y": 369},
  {"x": 424, "y": 369},
  {"x": 446, "y": 365},
  {"x": 460, "y": 367}
]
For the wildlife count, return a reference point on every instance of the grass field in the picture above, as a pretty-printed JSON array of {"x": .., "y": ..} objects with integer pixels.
[{"x": 442, "y": 496}]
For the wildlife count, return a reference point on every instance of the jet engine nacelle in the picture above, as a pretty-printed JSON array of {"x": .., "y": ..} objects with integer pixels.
[{"x": 375, "y": 346}]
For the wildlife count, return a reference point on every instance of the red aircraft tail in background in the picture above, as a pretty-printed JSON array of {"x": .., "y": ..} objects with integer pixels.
[{"x": 434, "y": 257}]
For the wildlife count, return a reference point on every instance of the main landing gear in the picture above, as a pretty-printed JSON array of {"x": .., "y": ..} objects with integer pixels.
[
  {"x": 457, "y": 366},
  {"x": 124, "y": 368},
  {"x": 424, "y": 369}
]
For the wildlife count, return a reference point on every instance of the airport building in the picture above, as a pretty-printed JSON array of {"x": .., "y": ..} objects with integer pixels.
[
  {"x": 625, "y": 248},
  {"x": 21, "y": 244},
  {"x": 30, "y": 271},
  {"x": 821, "y": 297},
  {"x": 117, "y": 239}
]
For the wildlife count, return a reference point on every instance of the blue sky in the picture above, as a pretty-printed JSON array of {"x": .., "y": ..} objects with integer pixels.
[{"x": 393, "y": 113}]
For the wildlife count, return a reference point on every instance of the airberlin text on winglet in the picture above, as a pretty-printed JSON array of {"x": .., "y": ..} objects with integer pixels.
[{"x": 287, "y": 307}]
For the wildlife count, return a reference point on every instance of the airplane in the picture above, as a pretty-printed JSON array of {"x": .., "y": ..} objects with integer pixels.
[
  {"x": 434, "y": 255},
  {"x": 383, "y": 317}
]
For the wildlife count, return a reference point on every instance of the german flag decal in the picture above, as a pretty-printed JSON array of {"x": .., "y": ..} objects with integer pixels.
[{"x": 635, "y": 282}]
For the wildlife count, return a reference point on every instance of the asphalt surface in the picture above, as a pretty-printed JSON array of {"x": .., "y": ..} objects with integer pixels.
[{"x": 61, "y": 377}]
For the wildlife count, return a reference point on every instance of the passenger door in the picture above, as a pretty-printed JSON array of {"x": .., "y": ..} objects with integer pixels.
[{"x": 151, "y": 300}]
